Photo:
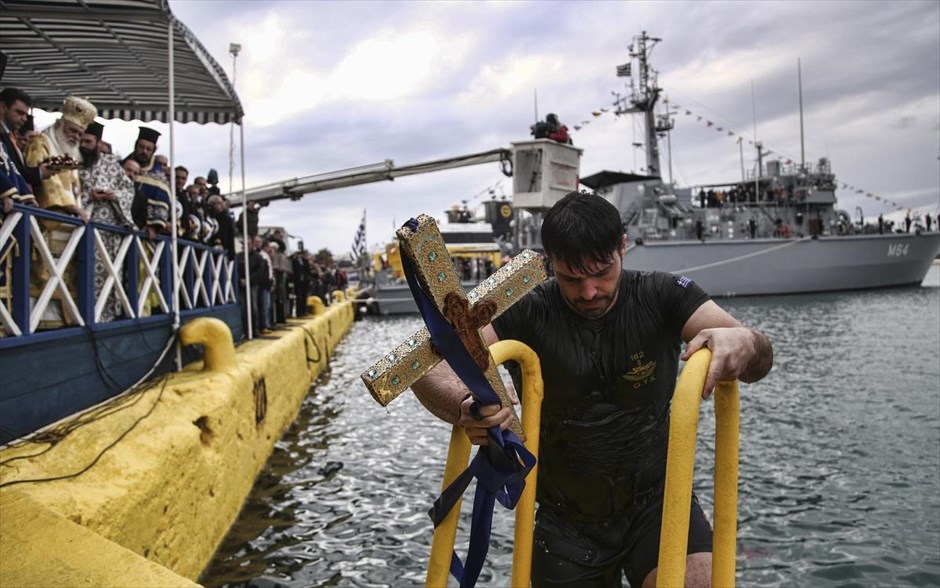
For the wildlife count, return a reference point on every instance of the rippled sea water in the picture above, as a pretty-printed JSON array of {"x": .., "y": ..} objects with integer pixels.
[{"x": 839, "y": 462}]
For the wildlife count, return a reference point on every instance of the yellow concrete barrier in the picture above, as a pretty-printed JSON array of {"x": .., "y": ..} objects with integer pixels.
[
  {"x": 315, "y": 304},
  {"x": 677, "y": 501},
  {"x": 42, "y": 548},
  {"x": 458, "y": 456},
  {"x": 216, "y": 340},
  {"x": 164, "y": 472}
]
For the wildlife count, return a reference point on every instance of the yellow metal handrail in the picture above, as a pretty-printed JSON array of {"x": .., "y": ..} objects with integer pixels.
[
  {"x": 680, "y": 465},
  {"x": 679, "y": 471},
  {"x": 458, "y": 455}
]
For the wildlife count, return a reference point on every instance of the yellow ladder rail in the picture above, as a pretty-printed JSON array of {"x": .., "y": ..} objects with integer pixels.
[
  {"x": 458, "y": 456},
  {"x": 680, "y": 465}
]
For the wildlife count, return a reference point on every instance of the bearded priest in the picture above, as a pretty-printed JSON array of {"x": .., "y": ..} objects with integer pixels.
[
  {"x": 106, "y": 196},
  {"x": 60, "y": 190},
  {"x": 58, "y": 148}
]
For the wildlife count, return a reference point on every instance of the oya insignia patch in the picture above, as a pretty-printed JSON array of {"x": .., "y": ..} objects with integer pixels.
[{"x": 642, "y": 373}]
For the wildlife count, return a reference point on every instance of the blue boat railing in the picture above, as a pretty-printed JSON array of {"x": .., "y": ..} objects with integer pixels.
[{"x": 138, "y": 273}]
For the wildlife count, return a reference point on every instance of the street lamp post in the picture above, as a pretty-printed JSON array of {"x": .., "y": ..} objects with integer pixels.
[{"x": 233, "y": 48}]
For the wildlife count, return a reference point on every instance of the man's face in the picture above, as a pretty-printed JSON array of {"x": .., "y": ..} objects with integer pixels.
[
  {"x": 72, "y": 132},
  {"x": 88, "y": 142},
  {"x": 131, "y": 168},
  {"x": 14, "y": 115},
  {"x": 143, "y": 151},
  {"x": 164, "y": 165},
  {"x": 88, "y": 147},
  {"x": 181, "y": 177},
  {"x": 202, "y": 187},
  {"x": 257, "y": 242},
  {"x": 591, "y": 294}
]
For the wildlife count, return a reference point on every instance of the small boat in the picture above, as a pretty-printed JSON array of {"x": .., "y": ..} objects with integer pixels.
[{"x": 477, "y": 245}]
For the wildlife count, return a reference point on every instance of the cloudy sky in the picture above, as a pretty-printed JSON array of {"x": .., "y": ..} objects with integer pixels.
[{"x": 333, "y": 85}]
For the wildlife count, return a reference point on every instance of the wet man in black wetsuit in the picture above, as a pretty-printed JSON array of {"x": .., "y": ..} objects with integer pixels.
[{"x": 609, "y": 343}]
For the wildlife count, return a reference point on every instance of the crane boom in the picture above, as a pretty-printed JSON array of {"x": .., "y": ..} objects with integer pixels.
[{"x": 296, "y": 188}]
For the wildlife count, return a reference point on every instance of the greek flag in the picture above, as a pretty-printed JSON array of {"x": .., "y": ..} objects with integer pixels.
[
  {"x": 359, "y": 241},
  {"x": 623, "y": 71}
]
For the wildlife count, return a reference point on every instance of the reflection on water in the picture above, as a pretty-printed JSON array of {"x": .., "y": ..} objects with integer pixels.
[{"x": 840, "y": 460}]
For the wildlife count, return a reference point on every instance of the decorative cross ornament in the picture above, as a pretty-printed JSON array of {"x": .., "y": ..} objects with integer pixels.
[{"x": 397, "y": 370}]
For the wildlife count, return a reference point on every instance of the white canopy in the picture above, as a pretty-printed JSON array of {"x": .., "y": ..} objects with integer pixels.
[{"x": 113, "y": 52}]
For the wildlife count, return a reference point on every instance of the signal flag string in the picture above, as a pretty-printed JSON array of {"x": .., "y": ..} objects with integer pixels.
[{"x": 729, "y": 133}]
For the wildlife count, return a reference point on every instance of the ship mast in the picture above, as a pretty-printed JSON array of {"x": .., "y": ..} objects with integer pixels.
[
  {"x": 643, "y": 96},
  {"x": 799, "y": 75}
]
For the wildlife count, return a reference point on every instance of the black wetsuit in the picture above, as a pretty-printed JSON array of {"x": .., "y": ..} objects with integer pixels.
[{"x": 608, "y": 387}]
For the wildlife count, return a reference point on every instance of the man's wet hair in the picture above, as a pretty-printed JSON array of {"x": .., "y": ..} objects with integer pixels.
[{"x": 582, "y": 229}]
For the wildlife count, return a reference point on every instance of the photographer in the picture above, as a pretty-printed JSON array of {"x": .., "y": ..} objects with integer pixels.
[{"x": 551, "y": 128}]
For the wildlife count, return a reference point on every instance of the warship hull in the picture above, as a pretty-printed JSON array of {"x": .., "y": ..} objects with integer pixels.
[{"x": 792, "y": 266}]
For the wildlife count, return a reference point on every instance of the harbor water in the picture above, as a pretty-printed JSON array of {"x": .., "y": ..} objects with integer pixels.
[{"x": 839, "y": 462}]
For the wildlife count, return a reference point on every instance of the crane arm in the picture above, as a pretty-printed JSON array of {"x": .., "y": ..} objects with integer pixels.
[{"x": 296, "y": 188}]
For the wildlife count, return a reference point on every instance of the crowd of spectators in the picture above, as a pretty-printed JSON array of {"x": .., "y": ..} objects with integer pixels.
[
  {"x": 69, "y": 168},
  {"x": 281, "y": 281},
  {"x": 743, "y": 193}
]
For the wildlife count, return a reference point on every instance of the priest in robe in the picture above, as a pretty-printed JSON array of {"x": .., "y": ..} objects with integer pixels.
[
  {"x": 152, "y": 202},
  {"x": 59, "y": 192},
  {"x": 106, "y": 195}
]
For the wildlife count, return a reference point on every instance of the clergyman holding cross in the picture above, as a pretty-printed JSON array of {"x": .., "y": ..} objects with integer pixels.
[{"x": 609, "y": 342}]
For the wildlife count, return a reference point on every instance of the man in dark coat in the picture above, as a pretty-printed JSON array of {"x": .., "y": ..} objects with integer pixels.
[
  {"x": 225, "y": 236},
  {"x": 302, "y": 282},
  {"x": 14, "y": 112}
]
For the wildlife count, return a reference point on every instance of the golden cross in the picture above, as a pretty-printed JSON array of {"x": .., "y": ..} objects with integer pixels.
[{"x": 397, "y": 370}]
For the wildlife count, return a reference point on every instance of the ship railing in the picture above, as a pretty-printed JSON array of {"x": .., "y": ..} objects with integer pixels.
[
  {"x": 794, "y": 168},
  {"x": 36, "y": 275}
]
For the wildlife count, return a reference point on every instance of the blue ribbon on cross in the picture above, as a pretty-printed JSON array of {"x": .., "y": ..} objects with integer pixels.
[{"x": 500, "y": 467}]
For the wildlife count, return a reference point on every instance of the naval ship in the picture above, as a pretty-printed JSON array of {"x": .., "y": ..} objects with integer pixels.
[{"x": 779, "y": 231}]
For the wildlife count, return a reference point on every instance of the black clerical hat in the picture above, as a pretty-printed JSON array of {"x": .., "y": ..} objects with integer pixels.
[
  {"x": 96, "y": 129},
  {"x": 148, "y": 134}
]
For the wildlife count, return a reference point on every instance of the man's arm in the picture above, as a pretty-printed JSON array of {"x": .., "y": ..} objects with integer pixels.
[
  {"x": 441, "y": 392},
  {"x": 448, "y": 398},
  {"x": 738, "y": 352}
]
